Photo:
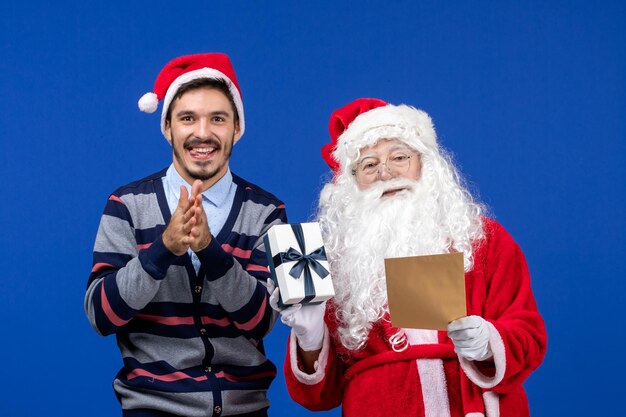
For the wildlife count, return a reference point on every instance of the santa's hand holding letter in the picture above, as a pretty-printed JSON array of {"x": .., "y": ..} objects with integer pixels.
[{"x": 396, "y": 193}]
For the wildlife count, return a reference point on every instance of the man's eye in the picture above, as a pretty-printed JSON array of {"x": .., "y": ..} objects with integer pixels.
[
  {"x": 370, "y": 165},
  {"x": 186, "y": 118},
  {"x": 218, "y": 119}
]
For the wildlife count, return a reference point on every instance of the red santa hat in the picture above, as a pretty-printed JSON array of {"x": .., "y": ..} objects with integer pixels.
[
  {"x": 365, "y": 121},
  {"x": 187, "y": 68}
]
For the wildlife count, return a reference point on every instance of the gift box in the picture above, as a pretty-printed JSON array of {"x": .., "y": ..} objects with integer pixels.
[{"x": 298, "y": 264}]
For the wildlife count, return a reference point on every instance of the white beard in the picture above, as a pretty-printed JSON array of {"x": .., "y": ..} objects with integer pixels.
[{"x": 361, "y": 229}]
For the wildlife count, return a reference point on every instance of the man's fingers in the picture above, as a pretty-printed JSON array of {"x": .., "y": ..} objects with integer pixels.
[
  {"x": 191, "y": 218},
  {"x": 177, "y": 234},
  {"x": 183, "y": 201},
  {"x": 194, "y": 231},
  {"x": 189, "y": 215},
  {"x": 196, "y": 189},
  {"x": 200, "y": 214},
  {"x": 189, "y": 227}
]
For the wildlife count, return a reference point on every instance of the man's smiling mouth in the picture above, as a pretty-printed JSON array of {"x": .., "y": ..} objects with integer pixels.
[{"x": 202, "y": 151}]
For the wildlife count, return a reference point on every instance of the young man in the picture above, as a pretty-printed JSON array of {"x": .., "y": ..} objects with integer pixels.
[
  {"x": 395, "y": 193},
  {"x": 179, "y": 266}
]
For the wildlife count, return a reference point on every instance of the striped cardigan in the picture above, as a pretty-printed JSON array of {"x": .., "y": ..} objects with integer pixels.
[{"x": 191, "y": 343}]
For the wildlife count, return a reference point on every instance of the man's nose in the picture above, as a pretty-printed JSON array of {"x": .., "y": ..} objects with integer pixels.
[{"x": 204, "y": 128}]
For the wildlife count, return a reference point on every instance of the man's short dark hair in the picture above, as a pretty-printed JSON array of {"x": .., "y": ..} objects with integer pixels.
[{"x": 219, "y": 84}]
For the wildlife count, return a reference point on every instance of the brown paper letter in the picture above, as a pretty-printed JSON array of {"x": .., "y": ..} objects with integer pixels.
[{"x": 426, "y": 292}]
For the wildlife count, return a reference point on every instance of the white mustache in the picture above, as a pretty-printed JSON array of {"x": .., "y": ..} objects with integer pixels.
[{"x": 379, "y": 188}]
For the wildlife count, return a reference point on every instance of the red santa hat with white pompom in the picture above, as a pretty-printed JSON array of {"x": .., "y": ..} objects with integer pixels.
[
  {"x": 187, "y": 68},
  {"x": 364, "y": 121}
]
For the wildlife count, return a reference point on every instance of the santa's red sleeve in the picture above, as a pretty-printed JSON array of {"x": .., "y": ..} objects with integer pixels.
[
  {"x": 518, "y": 335},
  {"x": 321, "y": 390}
]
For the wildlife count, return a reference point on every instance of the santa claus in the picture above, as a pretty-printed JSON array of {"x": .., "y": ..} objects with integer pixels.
[{"x": 397, "y": 193}]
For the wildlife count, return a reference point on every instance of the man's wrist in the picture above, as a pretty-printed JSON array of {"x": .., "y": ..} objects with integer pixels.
[
  {"x": 157, "y": 258},
  {"x": 171, "y": 246},
  {"x": 215, "y": 260},
  {"x": 204, "y": 245}
]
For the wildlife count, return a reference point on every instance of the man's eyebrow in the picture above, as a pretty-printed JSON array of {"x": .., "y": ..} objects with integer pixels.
[
  {"x": 185, "y": 113},
  {"x": 193, "y": 113},
  {"x": 220, "y": 113}
]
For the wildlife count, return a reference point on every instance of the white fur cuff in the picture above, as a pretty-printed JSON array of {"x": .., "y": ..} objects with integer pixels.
[
  {"x": 499, "y": 357},
  {"x": 320, "y": 364}
]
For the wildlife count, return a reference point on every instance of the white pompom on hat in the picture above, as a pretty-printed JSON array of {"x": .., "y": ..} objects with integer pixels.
[
  {"x": 187, "y": 68},
  {"x": 148, "y": 103}
]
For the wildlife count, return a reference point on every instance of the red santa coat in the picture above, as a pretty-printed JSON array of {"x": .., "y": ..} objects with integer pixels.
[{"x": 428, "y": 379}]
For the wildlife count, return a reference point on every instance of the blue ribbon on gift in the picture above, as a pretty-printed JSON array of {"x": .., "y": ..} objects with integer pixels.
[{"x": 303, "y": 263}]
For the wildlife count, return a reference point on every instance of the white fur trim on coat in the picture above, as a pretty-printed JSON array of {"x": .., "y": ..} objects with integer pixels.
[
  {"x": 431, "y": 374},
  {"x": 492, "y": 404},
  {"x": 499, "y": 357},
  {"x": 319, "y": 366}
]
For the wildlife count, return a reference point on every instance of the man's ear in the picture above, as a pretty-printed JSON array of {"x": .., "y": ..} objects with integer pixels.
[
  {"x": 168, "y": 130},
  {"x": 237, "y": 131}
]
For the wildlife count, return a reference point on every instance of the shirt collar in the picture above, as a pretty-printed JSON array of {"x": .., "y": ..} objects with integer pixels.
[{"x": 216, "y": 194}]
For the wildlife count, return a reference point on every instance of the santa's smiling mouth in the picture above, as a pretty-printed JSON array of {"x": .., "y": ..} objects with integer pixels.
[{"x": 393, "y": 191}]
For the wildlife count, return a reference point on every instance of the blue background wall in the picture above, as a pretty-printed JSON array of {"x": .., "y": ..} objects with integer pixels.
[{"x": 529, "y": 96}]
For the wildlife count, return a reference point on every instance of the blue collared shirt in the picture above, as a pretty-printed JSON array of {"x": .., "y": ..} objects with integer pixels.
[{"x": 216, "y": 201}]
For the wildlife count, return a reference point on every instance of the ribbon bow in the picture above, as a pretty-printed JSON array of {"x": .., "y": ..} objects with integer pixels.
[{"x": 304, "y": 263}]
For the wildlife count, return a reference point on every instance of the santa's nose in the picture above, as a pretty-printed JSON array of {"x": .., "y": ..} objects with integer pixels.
[{"x": 384, "y": 173}]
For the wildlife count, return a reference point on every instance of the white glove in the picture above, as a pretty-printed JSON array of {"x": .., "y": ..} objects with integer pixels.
[
  {"x": 470, "y": 336},
  {"x": 306, "y": 321}
]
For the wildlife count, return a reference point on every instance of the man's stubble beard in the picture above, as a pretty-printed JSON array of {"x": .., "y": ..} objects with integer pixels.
[{"x": 228, "y": 149}]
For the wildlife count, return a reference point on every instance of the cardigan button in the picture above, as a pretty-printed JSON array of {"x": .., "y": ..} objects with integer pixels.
[
  {"x": 217, "y": 409},
  {"x": 198, "y": 289},
  {"x": 207, "y": 369},
  {"x": 203, "y": 330}
]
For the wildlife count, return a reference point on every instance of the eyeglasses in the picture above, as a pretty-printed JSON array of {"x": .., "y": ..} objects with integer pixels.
[{"x": 368, "y": 169}]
